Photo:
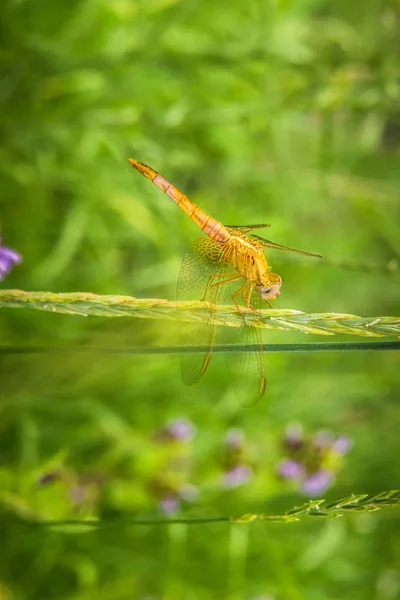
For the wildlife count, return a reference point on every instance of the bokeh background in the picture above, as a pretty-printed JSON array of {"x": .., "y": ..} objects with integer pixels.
[{"x": 264, "y": 110}]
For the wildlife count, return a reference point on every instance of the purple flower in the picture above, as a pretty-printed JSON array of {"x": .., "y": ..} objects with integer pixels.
[
  {"x": 294, "y": 436},
  {"x": 169, "y": 504},
  {"x": 234, "y": 438},
  {"x": 180, "y": 429},
  {"x": 77, "y": 494},
  {"x": 237, "y": 476},
  {"x": 290, "y": 469},
  {"x": 317, "y": 482},
  {"x": 323, "y": 439},
  {"x": 8, "y": 258},
  {"x": 188, "y": 492},
  {"x": 312, "y": 460},
  {"x": 342, "y": 444}
]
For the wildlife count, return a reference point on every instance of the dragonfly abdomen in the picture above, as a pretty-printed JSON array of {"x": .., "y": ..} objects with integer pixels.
[{"x": 211, "y": 227}]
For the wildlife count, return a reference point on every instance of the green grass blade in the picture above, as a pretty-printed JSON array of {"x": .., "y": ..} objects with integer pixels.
[
  {"x": 87, "y": 304},
  {"x": 312, "y": 508}
]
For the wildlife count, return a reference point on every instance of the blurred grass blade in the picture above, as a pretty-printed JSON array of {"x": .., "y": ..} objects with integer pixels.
[
  {"x": 312, "y": 508},
  {"x": 87, "y": 304},
  {"x": 217, "y": 349}
]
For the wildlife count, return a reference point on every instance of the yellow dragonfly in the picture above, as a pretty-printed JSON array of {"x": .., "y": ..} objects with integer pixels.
[{"x": 230, "y": 254}]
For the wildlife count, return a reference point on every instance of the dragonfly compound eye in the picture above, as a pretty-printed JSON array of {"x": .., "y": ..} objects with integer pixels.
[{"x": 269, "y": 292}]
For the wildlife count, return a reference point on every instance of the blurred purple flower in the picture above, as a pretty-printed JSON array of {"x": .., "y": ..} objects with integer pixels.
[
  {"x": 170, "y": 501},
  {"x": 294, "y": 436},
  {"x": 77, "y": 494},
  {"x": 313, "y": 459},
  {"x": 342, "y": 444},
  {"x": 169, "y": 504},
  {"x": 180, "y": 429},
  {"x": 290, "y": 469},
  {"x": 323, "y": 439},
  {"x": 8, "y": 258},
  {"x": 188, "y": 492},
  {"x": 317, "y": 482},
  {"x": 234, "y": 438},
  {"x": 237, "y": 476}
]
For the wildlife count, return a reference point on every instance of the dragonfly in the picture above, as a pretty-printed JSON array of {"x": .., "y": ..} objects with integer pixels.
[{"x": 232, "y": 258}]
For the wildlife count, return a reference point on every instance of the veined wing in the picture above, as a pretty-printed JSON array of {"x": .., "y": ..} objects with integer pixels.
[
  {"x": 247, "y": 368},
  {"x": 270, "y": 244},
  {"x": 247, "y": 228},
  {"x": 194, "y": 278}
]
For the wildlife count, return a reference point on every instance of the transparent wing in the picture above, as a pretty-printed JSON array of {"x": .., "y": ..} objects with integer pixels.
[
  {"x": 201, "y": 279},
  {"x": 246, "y": 368},
  {"x": 247, "y": 228},
  {"x": 194, "y": 278},
  {"x": 270, "y": 244}
]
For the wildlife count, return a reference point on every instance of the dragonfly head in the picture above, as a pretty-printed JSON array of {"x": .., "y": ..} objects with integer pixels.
[{"x": 271, "y": 289}]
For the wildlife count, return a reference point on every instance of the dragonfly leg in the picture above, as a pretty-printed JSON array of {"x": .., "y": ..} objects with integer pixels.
[
  {"x": 239, "y": 292},
  {"x": 245, "y": 292},
  {"x": 227, "y": 276},
  {"x": 231, "y": 278},
  {"x": 249, "y": 290},
  {"x": 266, "y": 302}
]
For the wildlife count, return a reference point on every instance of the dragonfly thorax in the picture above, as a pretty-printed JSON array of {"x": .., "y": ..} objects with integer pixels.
[{"x": 247, "y": 256}]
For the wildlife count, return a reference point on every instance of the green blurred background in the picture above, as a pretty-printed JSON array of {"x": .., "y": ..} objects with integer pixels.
[{"x": 261, "y": 111}]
